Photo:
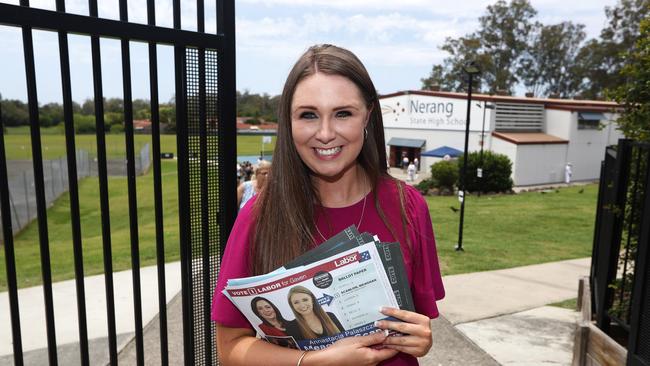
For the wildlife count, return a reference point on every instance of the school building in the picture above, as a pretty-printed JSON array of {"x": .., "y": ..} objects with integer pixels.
[{"x": 540, "y": 136}]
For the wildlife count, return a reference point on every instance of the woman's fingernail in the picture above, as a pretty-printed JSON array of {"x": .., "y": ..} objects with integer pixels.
[
  {"x": 383, "y": 309},
  {"x": 386, "y": 332},
  {"x": 376, "y": 324}
]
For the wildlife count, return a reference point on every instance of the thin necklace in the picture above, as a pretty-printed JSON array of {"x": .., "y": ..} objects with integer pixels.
[{"x": 363, "y": 210}]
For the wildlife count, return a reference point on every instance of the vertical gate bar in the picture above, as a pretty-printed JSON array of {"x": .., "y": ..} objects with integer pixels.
[
  {"x": 640, "y": 278},
  {"x": 613, "y": 239},
  {"x": 39, "y": 187},
  {"x": 205, "y": 217},
  {"x": 133, "y": 203},
  {"x": 630, "y": 229},
  {"x": 10, "y": 258},
  {"x": 599, "y": 209},
  {"x": 102, "y": 174},
  {"x": 73, "y": 190},
  {"x": 183, "y": 190},
  {"x": 200, "y": 16},
  {"x": 227, "y": 130},
  {"x": 160, "y": 237},
  {"x": 183, "y": 194}
]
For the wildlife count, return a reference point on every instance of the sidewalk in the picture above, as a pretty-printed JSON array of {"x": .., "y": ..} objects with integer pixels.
[
  {"x": 487, "y": 318},
  {"x": 503, "y": 313}
]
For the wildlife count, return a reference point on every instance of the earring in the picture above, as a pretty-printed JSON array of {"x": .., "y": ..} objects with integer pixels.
[{"x": 365, "y": 133}]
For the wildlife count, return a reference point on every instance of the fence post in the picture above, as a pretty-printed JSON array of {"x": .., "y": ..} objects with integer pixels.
[
  {"x": 13, "y": 206},
  {"x": 26, "y": 195}
]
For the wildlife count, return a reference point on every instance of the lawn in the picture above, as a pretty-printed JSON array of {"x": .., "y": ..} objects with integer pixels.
[
  {"x": 514, "y": 230},
  {"x": 500, "y": 231},
  {"x": 18, "y": 144},
  {"x": 60, "y": 238}
]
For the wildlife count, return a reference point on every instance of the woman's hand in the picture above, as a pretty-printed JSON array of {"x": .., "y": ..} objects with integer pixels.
[
  {"x": 353, "y": 351},
  {"x": 416, "y": 328}
]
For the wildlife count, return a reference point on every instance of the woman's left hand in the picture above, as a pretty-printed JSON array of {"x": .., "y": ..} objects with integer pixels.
[{"x": 416, "y": 329}]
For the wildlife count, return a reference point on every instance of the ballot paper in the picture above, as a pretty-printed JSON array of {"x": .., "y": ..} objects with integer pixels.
[{"x": 333, "y": 291}]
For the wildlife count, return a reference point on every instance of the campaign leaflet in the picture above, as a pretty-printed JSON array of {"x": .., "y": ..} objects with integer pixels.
[{"x": 319, "y": 303}]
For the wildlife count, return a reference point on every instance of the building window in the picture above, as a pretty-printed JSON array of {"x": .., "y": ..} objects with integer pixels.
[{"x": 589, "y": 120}]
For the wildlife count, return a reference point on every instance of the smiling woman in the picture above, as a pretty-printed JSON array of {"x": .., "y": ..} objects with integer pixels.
[{"x": 329, "y": 172}]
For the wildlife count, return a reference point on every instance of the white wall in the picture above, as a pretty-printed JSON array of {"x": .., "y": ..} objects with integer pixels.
[
  {"x": 587, "y": 148},
  {"x": 558, "y": 123},
  {"x": 540, "y": 164},
  {"x": 425, "y": 112}
]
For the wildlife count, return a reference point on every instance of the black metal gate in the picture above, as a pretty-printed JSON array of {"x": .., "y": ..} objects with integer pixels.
[
  {"x": 620, "y": 272},
  {"x": 206, "y": 135}
]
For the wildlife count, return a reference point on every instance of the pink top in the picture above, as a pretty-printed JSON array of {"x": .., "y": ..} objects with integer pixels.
[{"x": 420, "y": 259}]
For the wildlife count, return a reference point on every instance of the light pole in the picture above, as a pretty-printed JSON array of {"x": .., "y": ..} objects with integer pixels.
[
  {"x": 471, "y": 69},
  {"x": 479, "y": 170}
]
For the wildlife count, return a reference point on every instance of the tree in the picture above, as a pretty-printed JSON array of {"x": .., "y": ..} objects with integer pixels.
[
  {"x": 548, "y": 65},
  {"x": 496, "y": 48},
  {"x": 50, "y": 114},
  {"x": 504, "y": 33},
  {"x": 601, "y": 61},
  {"x": 14, "y": 113},
  {"x": 634, "y": 94}
]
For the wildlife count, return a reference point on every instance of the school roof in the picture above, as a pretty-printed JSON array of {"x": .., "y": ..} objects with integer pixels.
[
  {"x": 549, "y": 103},
  {"x": 529, "y": 138}
]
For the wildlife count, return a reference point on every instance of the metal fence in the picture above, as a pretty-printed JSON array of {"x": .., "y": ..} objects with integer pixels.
[
  {"x": 206, "y": 134},
  {"x": 620, "y": 272},
  {"x": 20, "y": 179}
]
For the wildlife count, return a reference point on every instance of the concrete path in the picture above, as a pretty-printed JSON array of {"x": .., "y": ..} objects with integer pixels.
[
  {"x": 502, "y": 313},
  {"x": 32, "y": 314},
  {"x": 487, "y": 318},
  {"x": 481, "y": 295}
]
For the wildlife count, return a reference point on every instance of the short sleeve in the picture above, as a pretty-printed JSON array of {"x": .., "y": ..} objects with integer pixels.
[
  {"x": 427, "y": 287},
  {"x": 234, "y": 265}
]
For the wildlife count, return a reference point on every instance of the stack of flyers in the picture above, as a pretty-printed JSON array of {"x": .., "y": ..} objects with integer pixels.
[{"x": 333, "y": 291}]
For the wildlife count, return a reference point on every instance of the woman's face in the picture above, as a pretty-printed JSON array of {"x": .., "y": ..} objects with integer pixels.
[
  {"x": 260, "y": 176},
  {"x": 328, "y": 116},
  {"x": 265, "y": 310},
  {"x": 302, "y": 303}
]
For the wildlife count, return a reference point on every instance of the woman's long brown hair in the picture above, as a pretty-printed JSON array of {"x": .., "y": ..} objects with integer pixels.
[{"x": 284, "y": 211}]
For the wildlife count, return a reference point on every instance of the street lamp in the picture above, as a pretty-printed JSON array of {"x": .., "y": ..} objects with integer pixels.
[
  {"x": 479, "y": 170},
  {"x": 471, "y": 69}
]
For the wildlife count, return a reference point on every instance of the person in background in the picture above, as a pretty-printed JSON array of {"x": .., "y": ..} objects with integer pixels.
[
  {"x": 411, "y": 172},
  {"x": 416, "y": 162},
  {"x": 567, "y": 173},
  {"x": 405, "y": 163},
  {"x": 250, "y": 188}
]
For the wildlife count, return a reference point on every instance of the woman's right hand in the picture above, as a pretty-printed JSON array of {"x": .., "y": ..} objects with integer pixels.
[{"x": 353, "y": 351}]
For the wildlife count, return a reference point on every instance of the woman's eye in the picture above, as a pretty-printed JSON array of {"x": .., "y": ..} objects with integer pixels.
[
  {"x": 343, "y": 114},
  {"x": 308, "y": 115}
]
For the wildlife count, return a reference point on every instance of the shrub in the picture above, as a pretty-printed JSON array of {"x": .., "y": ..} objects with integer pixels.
[
  {"x": 425, "y": 185},
  {"x": 497, "y": 169},
  {"x": 444, "y": 174},
  {"x": 84, "y": 124}
]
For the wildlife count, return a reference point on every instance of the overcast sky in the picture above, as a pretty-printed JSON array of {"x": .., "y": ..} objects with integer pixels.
[{"x": 398, "y": 41}]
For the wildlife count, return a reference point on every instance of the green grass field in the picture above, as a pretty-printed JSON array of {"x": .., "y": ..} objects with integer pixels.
[
  {"x": 514, "y": 230},
  {"x": 60, "y": 233},
  {"x": 18, "y": 144},
  {"x": 500, "y": 231}
]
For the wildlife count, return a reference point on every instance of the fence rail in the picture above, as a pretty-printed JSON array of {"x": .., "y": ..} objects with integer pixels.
[{"x": 620, "y": 272}]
